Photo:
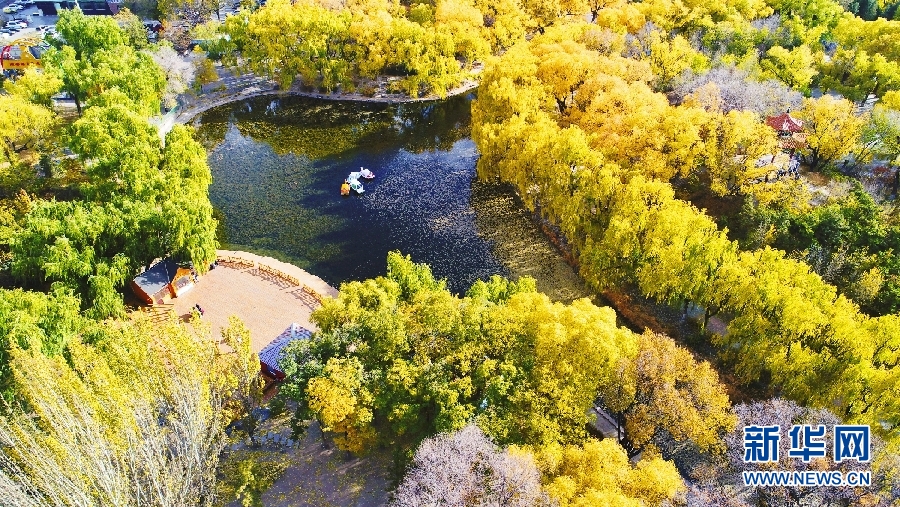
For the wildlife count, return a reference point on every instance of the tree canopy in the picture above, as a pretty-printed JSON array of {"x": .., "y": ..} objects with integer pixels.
[
  {"x": 399, "y": 359},
  {"x": 93, "y": 56},
  {"x": 134, "y": 417},
  {"x": 602, "y": 171},
  {"x": 135, "y": 199}
]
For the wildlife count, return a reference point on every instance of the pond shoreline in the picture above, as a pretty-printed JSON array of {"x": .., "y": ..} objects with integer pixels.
[{"x": 264, "y": 88}]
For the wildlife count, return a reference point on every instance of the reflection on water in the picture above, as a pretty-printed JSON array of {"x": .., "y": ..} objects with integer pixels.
[
  {"x": 518, "y": 243},
  {"x": 278, "y": 163}
]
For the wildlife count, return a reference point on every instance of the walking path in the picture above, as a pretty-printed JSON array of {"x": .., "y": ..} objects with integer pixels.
[{"x": 232, "y": 88}]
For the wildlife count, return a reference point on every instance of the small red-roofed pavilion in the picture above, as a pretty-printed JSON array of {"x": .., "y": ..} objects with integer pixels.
[{"x": 785, "y": 123}]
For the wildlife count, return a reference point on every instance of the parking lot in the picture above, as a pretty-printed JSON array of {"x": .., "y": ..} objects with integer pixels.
[{"x": 30, "y": 15}]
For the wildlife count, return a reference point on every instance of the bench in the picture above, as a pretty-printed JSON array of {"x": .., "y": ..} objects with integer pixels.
[{"x": 315, "y": 295}]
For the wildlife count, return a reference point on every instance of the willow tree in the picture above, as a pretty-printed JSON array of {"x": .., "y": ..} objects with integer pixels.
[
  {"x": 120, "y": 149},
  {"x": 87, "y": 35},
  {"x": 465, "y": 24},
  {"x": 42, "y": 323},
  {"x": 92, "y": 56},
  {"x": 132, "y": 419},
  {"x": 430, "y": 49},
  {"x": 137, "y": 211},
  {"x": 77, "y": 245},
  {"x": 285, "y": 40}
]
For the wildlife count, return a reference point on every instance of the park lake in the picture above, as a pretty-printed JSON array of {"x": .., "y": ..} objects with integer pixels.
[{"x": 278, "y": 162}]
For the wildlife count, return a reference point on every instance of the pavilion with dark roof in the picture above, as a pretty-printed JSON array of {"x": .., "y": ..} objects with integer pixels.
[
  {"x": 162, "y": 282},
  {"x": 270, "y": 355}
]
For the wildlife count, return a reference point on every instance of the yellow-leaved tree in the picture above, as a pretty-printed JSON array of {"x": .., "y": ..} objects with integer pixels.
[
  {"x": 669, "y": 58},
  {"x": 794, "y": 67},
  {"x": 130, "y": 415},
  {"x": 737, "y": 143},
  {"x": 240, "y": 370},
  {"x": 343, "y": 405},
  {"x": 832, "y": 130},
  {"x": 23, "y": 125},
  {"x": 465, "y": 24},
  {"x": 35, "y": 86},
  {"x": 599, "y": 473},
  {"x": 558, "y": 355},
  {"x": 662, "y": 388}
]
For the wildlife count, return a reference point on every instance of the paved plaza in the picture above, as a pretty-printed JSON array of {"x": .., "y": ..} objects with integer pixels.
[{"x": 267, "y": 304}]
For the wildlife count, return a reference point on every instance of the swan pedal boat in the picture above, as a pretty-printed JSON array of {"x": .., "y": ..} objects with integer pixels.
[{"x": 355, "y": 185}]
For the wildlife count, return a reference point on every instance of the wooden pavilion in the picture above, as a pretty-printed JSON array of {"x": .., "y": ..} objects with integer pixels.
[
  {"x": 162, "y": 282},
  {"x": 790, "y": 131}
]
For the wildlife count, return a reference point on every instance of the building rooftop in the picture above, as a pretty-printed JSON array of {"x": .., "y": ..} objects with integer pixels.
[
  {"x": 271, "y": 353},
  {"x": 785, "y": 123},
  {"x": 157, "y": 277}
]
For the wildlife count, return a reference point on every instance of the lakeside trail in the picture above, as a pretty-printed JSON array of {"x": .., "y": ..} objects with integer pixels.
[{"x": 233, "y": 88}]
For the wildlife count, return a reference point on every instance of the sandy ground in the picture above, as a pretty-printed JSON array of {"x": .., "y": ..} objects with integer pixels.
[{"x": 266, "y": 304}]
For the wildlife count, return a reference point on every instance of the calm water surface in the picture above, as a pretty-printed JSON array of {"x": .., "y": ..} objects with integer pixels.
[{"x": 278, "y": 163}]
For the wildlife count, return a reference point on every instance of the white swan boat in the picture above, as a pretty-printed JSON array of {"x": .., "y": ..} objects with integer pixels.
[
  {"x": 355, "y": 185},
  {"x": 366, "y": 174}
]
